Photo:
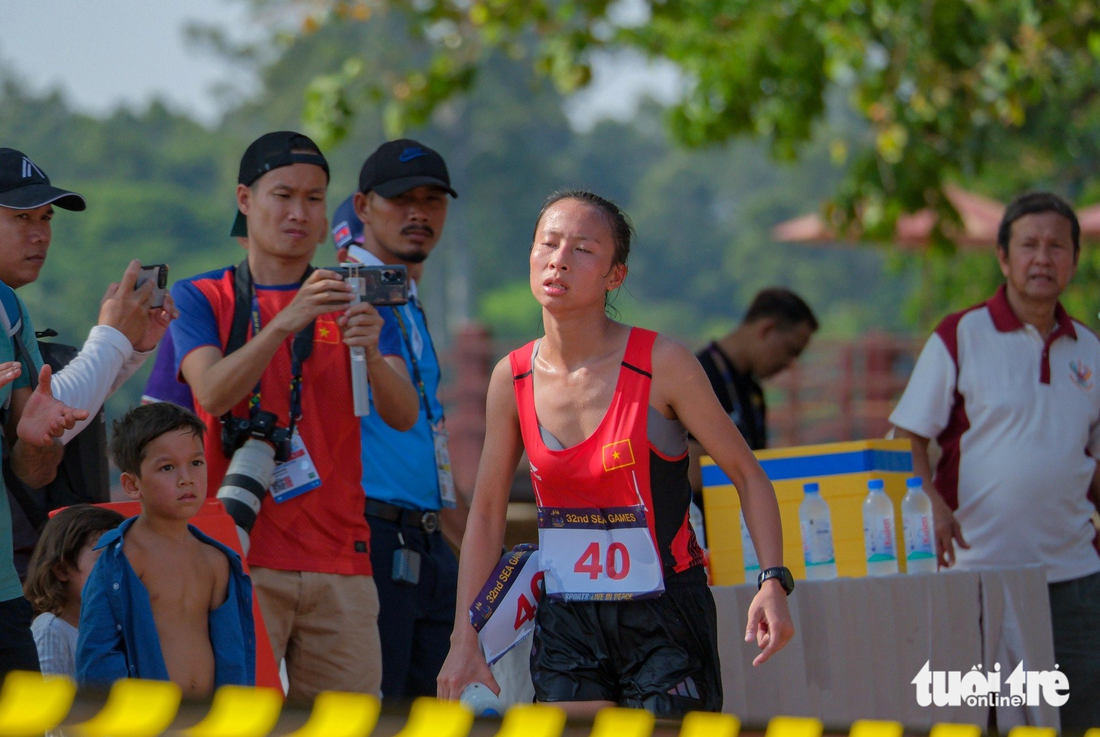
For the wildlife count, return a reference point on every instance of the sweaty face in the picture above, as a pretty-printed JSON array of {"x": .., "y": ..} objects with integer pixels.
[
  {"x": 286, "y": 210},
  {"x": 173, "y": 476},
  {"x": 779, "y": 347},
  {"x": 406, "y": 227},
  {"x": 1040, "y": 261},
  {"x": 24, "y": 239},
  {"x": 571, "y": 258}
]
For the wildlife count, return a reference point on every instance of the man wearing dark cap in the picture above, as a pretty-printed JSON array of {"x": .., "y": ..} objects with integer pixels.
[
  {"x": 35, "y": 419},
  {"x": 128, "y": 330},
  {"x": 397, "y": 217},
  {"x": 271, "y": 335}
]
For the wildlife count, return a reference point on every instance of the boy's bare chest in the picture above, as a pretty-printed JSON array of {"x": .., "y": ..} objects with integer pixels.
[{"x": 176, "y": 589}]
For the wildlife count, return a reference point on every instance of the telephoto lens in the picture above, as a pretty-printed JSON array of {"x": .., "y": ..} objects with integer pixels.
[{"x": 245, "y": 485}]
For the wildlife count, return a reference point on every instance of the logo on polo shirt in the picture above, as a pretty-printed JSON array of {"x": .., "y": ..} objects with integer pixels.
[{"x": 1081, "y": 374}]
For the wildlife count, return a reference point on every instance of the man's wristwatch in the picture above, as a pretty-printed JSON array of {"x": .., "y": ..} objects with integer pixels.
[{"x": 786, "y": 580}]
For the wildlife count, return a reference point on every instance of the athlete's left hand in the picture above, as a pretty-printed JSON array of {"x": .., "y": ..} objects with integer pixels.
[{"x": 769, "y": 620}]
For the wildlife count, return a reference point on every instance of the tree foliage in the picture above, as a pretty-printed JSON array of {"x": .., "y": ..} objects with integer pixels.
[{"x": 946, "y": 88}]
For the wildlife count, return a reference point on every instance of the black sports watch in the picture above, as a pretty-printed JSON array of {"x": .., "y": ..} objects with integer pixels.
[{"x": 786, "y": 580}]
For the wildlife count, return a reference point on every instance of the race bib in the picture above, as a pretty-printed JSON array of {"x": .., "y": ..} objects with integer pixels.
[
  {"x": 504, "y": 611},
  {"x": 598, "y": 554},
  {"x": 443, "y": 465},
  {"x": 297, "y": 475}
]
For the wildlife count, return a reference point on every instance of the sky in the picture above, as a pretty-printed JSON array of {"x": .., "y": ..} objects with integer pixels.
[{"x": 105, "y": 53}]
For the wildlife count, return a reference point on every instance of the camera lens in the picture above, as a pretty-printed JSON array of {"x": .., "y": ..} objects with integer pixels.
[{"x": 245, "y": 484}]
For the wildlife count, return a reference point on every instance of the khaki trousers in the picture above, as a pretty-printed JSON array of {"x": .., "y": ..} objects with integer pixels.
[{"x": 326, "y": 626}]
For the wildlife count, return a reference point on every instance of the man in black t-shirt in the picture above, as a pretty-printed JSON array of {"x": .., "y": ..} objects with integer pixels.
[{"x": 774, "y": 332}]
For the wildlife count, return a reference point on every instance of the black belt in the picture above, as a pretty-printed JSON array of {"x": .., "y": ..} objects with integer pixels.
[{"x": 428, "y": 521}]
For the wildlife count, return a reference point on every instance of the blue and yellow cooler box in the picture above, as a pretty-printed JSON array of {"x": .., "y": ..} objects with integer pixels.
[{"x": 842, "y": 470}]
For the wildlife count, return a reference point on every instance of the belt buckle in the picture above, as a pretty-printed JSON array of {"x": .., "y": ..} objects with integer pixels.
[{"x": 429, "y": 521}]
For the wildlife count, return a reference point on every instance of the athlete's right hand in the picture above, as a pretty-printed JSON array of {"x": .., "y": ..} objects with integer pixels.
[
  {"x": 322, "y": 292},
  {"x": 464, "y": 665}
]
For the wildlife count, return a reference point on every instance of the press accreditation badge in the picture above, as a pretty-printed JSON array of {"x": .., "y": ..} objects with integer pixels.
[
  {"x": 443, "y": 465},
  {"x": 598, "y": 554},
  {"x": 297, "y": 475}
]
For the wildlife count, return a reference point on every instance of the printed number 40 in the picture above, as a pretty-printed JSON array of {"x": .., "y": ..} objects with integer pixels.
[
  {"x": 616, "y": 566},
  {"x": 525, "y": 610}
]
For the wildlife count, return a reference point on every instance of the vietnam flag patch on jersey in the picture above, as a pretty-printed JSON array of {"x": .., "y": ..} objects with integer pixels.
[{"x": 618, "y": 455}]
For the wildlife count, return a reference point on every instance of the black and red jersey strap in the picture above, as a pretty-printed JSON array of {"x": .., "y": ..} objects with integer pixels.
[
  {"x": 639, "y": 352},
  {"x": 521, "y": 361}
]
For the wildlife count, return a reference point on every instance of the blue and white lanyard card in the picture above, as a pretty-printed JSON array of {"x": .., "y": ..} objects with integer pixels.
[{"x": 295, "y": 476}]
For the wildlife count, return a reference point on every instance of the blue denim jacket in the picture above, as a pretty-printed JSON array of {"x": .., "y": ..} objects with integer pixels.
[{"x": 118, "y": 637}]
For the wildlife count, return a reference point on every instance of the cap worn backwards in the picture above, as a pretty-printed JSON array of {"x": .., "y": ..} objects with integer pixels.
[
  {"x": 24, "y": 186},
  {"x": 273, "y": 151},
  {"x": 398, "y": 166}
]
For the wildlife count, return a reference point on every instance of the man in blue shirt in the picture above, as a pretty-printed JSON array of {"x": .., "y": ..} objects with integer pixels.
[{"x": 396, "y": 217}]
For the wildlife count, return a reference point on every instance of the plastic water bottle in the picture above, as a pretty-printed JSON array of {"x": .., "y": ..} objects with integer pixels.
[
  {"x": 748, "y": 552},
  {"x": 916, "y": 518},
  {"x": 878, "y": 531},
  {"x": 817, "y": 534},
  {"x": 480, "y": 699}
]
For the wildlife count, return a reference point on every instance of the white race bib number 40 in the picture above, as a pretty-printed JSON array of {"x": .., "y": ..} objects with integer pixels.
[{"x": 598, "y": 554}]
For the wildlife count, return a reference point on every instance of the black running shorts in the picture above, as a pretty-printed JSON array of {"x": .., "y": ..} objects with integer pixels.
[{"x": 656, "y": 654}]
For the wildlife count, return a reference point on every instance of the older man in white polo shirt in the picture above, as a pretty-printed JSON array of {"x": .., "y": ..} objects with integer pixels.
[{"x": 1009, "y": 389}]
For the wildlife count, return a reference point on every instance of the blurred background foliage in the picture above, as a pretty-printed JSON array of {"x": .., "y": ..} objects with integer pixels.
[{"x": 859, "y": 110}]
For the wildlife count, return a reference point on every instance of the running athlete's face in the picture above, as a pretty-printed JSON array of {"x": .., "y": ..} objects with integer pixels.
[
  {"x": 1041, "y": 259},
  {"x": 286, "y": 210},
  {"x": 572, "y": 257},
  {"x": 172, "y": 483},
  {"x": 404, "y": 229},
  {"x": 24, "y": 239}
]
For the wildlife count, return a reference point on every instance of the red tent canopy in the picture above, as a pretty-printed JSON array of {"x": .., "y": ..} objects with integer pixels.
[{"x": 980, "y": 217}]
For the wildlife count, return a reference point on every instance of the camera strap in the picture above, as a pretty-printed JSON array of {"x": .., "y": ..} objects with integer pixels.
[{"x": 246, "y": 311}]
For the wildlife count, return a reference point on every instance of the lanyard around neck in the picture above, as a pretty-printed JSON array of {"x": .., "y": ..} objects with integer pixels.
[{"x": 247, "y": 310}]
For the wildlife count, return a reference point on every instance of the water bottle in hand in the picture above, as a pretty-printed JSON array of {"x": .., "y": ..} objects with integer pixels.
[{"x": 480, "y": 699}]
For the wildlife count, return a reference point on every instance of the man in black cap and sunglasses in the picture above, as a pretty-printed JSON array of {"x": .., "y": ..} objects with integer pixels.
[{"x": 270, "y": 337}]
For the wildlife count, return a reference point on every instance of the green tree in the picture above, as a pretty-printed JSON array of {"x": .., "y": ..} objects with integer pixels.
[{"x": 944, "y": 87}]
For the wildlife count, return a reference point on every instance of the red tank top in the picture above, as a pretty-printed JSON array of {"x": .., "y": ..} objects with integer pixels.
[{"x": 616, "y": 466}]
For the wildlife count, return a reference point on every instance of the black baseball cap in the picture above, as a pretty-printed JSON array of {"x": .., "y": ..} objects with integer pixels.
[
  {"x": 273, "y": 151},
  {"x": 23, "y": 186},
  {"x": 398, "y": 166}
]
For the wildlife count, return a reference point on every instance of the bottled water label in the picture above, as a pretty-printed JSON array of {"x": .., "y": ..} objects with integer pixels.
[
  {"x": 918, "y": 538},
  {"x": 817, "y": 542},
  {"x": 879, "y": 539}
]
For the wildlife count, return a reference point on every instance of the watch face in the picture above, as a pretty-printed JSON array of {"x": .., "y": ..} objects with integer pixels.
[{"x": 786, "y": 580}]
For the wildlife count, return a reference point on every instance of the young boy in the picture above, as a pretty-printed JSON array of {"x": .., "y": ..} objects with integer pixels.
[{"x": 165, "y": 601}]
